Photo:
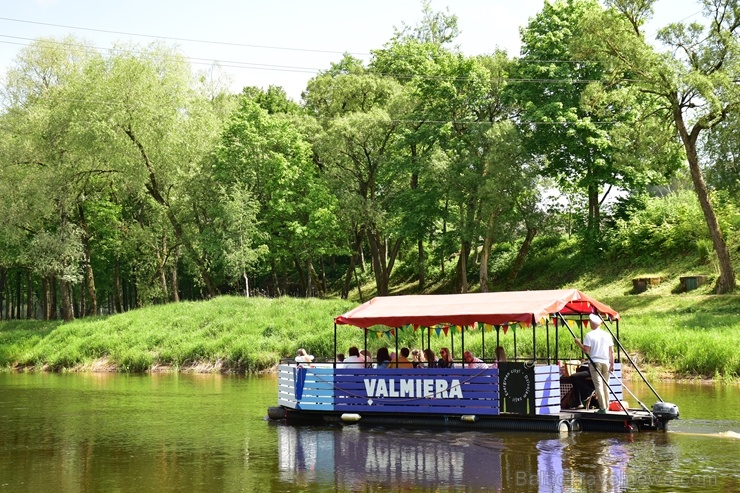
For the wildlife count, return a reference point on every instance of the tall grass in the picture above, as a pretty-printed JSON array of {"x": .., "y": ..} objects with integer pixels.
[{"x": 690, "y": 335}]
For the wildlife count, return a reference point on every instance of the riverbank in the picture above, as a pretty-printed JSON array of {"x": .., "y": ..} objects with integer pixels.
[{"x": 670, "y": 336}]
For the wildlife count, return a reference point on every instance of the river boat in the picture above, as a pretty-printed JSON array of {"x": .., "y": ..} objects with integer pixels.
[{"x": 527, "y": 392}]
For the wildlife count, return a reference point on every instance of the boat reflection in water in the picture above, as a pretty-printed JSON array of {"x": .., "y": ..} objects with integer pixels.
[{"x": 348, "y": 458}]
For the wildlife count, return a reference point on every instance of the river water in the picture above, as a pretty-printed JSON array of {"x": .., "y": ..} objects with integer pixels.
[{"x": 70, "y": 433}]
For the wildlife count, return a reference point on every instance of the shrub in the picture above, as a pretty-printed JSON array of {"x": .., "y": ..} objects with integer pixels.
[{"x": 666, "y": 225}]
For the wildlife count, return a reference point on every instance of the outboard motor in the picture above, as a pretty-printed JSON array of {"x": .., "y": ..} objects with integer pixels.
[{"x": 665, "y": 411}]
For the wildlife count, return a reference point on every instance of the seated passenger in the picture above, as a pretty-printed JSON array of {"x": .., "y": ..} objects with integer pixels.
[
  {"x": 472, "y": 361},
  {"x": 402, "y": 361},
  {"x": 382, "y": 359},
  {"x": 500, "y": 355},
  {"x": 445, "y": 358},
  {"x": 417, "y": 359},
  {"x": 583, "y": 385},
  {"x": 303, "y": 357},
  {"x": 431, "y": 359},
  {"x": 368, "y": 358},
  {"x": 354, "y": 360}
]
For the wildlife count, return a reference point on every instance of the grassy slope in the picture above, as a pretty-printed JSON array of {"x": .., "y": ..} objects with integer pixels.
[
  {"x": 688, "y": 334},
  {"x": 692, "y": 333}
]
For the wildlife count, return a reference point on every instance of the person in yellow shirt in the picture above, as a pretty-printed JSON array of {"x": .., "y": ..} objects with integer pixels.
[{"x": 401, "y": 361}]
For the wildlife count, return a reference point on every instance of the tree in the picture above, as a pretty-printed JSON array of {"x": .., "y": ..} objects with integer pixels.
[
  {"x": 158, "y": 131},
  {"x": 591, "y": 134},
  {"x": 46, "y": 162},
  {"x": 696, "y": 83},
  {"x": 265, "y": 157},
  {"x": 356, "y": 154},
  {"x": 243, "y": 241}
]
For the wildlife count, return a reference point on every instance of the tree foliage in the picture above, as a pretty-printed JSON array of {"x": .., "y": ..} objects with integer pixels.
[{"x": 128, "y": 179}]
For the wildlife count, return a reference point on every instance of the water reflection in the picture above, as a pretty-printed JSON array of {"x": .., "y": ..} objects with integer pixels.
[
  {"x": 425, "y": 461},
  {"x": 170, "y": 433},
  {"x": 352, "y": 456},
  {"x": 345, "y": 459}
]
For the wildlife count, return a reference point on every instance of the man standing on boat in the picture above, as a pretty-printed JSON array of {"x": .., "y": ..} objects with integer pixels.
[{"x": 599, "y": 346}]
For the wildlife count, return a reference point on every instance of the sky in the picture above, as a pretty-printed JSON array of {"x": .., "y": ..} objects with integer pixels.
[{"x": 273, "y": 42}]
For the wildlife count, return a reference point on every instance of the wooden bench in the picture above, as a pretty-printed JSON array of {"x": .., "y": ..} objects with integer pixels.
[{"x": 641, "y": 284}]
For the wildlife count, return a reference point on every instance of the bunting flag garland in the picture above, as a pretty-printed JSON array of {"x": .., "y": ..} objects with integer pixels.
[
  {"x": 584, "y": 322},
  {"x": 506, "y": 328},
  {"x": 488, "y": 327},
  {"x": 446, "y": 329},
  {"x": 438, "y": 330}
]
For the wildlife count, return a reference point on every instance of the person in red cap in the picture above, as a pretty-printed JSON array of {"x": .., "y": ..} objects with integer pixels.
[{"x": 598, "y": 344}]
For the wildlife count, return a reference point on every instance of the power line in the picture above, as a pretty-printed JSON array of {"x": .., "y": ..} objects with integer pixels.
[
  {"x": 194, "y": 60},
  {"x": 309, "y": 70},
  {"x": 267, "y": 47},
  {"x": 189, "y": 40}
]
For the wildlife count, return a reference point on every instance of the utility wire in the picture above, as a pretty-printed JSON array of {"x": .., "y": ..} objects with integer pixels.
[
  {"x": 288, "y": 68},
  {"x": 205, "y": 41}
]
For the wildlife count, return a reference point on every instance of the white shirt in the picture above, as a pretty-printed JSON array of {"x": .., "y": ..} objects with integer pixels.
[
  {"x": 353, "y": 362},
  {"x": 599, "y": 341}
]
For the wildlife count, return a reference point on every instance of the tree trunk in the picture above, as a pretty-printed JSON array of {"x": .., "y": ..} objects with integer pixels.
[
  {"x": 314, "y": 277},
  {"x": 117, "y": 289},
  {"x": 29, "y": 294},
  {"x": 726, "y": 281},
  {"x": 461, "y": 272},
  {"x": 352, "y": 264},
  {"x": 485, "y": 255},
  {"x": 80, "y": 310},
  {"x": 92, "y": 294},
  {"x": 276, "y": 292},
  {"x": 174, "y": 285},
  {"x": 66, "y": 294},
  {"x": 324, "y": 283},
  {"x": 422, "y": 264},
  {"x": 593, "y": 209},
  {"x": 382, "y": 261},
  {"x": 301, "y": 276},
  {"x": 125, "y": 295},
  {"x": 8, "y": 301},
  {"x": 521, "y": 256},
  {"x": 3, "y": 277},
  {"x": 18, "y": 291}
]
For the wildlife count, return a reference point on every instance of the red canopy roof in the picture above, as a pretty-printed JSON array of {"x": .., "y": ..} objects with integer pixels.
[{"x": 466, "y": 309}]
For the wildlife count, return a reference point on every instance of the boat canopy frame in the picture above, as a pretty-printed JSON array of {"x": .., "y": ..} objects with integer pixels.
[{"x": 498, "y": 309}]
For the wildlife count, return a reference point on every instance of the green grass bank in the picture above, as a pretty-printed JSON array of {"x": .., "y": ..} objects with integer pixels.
[{"x": 689, "y": 336}]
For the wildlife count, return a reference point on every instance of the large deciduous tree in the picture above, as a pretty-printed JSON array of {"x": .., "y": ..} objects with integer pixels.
[
  {"x": 356, "y": 152},
  {"x": 591, "y": 133},
  {"x": 696, "y": 82},
  {"x": 160, "y": 130},
  {"x": 264, "y": 156},
  {"x": 46, "y": 164}
]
